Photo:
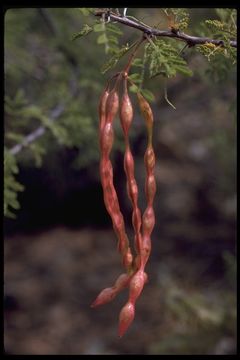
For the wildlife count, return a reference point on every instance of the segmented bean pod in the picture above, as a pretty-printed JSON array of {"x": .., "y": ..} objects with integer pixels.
[
  {"x": 109, "y": 105},
  {"x": 126, "y": 117},
  {"x": 102, "y": 109},
  {"x": 127, "y": 313},
  {"x": 109, "y": 294},
  {"x": 148, "y": 220},
  {"x": 135, "y": 276}
]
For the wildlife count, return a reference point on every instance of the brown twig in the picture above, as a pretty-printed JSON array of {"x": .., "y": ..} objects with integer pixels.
[{"x": 173, "y": 33}]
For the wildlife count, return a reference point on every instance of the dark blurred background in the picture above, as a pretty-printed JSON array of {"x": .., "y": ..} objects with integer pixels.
[{"x": 60, "y": 251}]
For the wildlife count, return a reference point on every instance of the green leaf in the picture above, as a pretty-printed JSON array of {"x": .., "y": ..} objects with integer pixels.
[
  {"x": 133, "y": 88},
  {"x": 86, "y": 11},
  {"x": 11, "y": 186},
  {"x": 148, "y": 94},
  {"x": 98, "y": 27},
  {"x": 113, "y": 39},
  {"x": 135, "y": 78},
  {"x": 164, "y": 59},
  {"x": 114, "y": 29},
  {"x": 102, "y": 39},
  {"x": 137, "y": 62},
  {"x": 115, "y": 58},
  {"x": 85, "y": 31},
  {"x": 184, "y": 70}
]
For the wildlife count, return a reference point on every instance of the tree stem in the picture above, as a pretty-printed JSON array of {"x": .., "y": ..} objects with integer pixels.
[{"x": 173, "y": 33}]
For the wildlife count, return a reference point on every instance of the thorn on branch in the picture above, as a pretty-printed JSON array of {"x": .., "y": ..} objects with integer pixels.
[
  {"x": 175, "y": 31},
  {"x": 190, "y": 43}
]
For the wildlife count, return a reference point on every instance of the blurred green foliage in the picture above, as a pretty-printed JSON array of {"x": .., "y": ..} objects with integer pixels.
[
  {"x": 45, "y": 69},
  {"x": 200, "y": 319}
]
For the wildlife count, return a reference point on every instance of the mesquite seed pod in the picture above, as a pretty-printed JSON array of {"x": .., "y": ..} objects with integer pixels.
[
  {"x": 102, "y": 109},
  {"x": 128, "y": 162},
  {"x": 127, "y": 313},
  {"x": 136, "y": 277},
  {"x": 146, "y": 249},
  {"x": 136, "y": 219},
  {"x": 105, "y": 296},
  {"x": 112, "y": 105},
  {"x": 107, "y": 139},
  {"x": 126, "y": 116},
  {"x": 150, "y": 187},
  {"x": 122, "y": 281},
  {"x": 108, "y": 294},
  {"x": 148, "y": 220},
  {"x": 108, "y": 109},
  {"x": 149, "y": 159},
  {"x": 126, "y": 113},
  {"x": 128, "y": 259},
  {"x": 125, "y": 318},
  {"x": 136, "y": 285},
  {"x": 146, "y": 110}
]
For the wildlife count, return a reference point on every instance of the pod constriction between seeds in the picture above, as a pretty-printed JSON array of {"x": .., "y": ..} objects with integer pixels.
[{"x": 135, "y": 276}]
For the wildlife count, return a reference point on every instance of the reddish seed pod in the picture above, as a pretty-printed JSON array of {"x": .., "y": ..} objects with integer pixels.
[
  {"x": 128, "y": 259},
  {"x": 106, "y": 170},
  {"x": 117, "y": 219},
  {"x": 128, "y": 162},
  {"x": 112, "y": 105},
  {"x": 137, "y": 261},
  {"x": 109, "y": 294},
  {"x": 135, "y": 277},
  {"x": 123, "y": 243},
  {"x": 126, "y": 116},
  {"x": 107, "y": 139},
  {"x": 122, "y": 281},
  {"x": 102, "y": 109},
  {"x": 105, "y": 296},
  {"x": 146, "y": 249},
  {"x": 149, "y": 159},
  {"x": 132, "y": 190},
  {"x": 150, "y": 187},
  {"x": 126, "y": 113},
  {"x": 145, "y": 278},
  {"x": 108, "y": 108},
  {"x": 146, "y": 110},
  {"x": 136, "y": 285},
  {"x": 148, "y": 220},
  {"x": 125, "y": 318},
  {"x": 136, "y": 219}
]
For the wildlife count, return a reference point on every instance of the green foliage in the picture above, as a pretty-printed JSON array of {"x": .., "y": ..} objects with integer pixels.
[
  {"x": 85, "y": 31},
  {"x": 11, "y": 185},
  {"x": 86, "y": 11},
  {"x": 115, "y": 58},
  {"x": 108, "y": 36},
  {"x": 178, "y": 18},
  {"x": 221, "y": 59},
  {"x": 227, "y": 22},
  {"x": 196, "y": 316},
  {"x": 165, "y": 60}
]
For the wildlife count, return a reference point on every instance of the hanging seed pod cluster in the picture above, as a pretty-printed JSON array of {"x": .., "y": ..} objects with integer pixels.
[{"x": 134, "y": 276}]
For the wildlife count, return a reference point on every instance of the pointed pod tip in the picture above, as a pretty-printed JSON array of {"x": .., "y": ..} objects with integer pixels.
[
  {"x": 93, "y": 304},
  {"x": 105, "y": 296},
  {"x": 125, "y": 318},
  {"x": 122, "y": 330}
]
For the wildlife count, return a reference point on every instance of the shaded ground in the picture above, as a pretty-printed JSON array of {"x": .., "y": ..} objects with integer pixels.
[{"x": 51, "y": 279}]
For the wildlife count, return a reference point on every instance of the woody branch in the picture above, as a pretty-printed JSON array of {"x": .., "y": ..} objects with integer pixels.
[{"x": 172, "y": 33}]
